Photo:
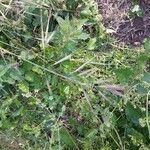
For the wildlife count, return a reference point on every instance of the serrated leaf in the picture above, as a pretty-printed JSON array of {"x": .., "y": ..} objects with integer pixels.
[{"x": 64, "y": 24}]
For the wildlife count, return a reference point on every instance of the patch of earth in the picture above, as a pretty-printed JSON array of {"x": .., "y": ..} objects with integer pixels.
[{"x": 127, "y": 30}]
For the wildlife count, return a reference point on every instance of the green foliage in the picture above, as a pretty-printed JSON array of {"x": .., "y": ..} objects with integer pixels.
[
  {"x": 64, "y": 84},
  {"x": 136, "y": 11}
]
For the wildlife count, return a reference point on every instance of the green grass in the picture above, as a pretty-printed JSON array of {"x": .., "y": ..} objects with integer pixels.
[{"x": 66, "y": 84}]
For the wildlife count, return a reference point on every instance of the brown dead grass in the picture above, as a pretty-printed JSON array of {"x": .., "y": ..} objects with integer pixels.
[
  {"x": 114, "y": 12},
  {"x": 126, "y": 29}
]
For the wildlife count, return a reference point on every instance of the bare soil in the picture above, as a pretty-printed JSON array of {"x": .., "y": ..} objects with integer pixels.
[{"x": 128, "y": 30}]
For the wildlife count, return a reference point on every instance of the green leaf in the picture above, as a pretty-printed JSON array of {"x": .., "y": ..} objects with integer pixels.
[
  {"x": 17, "y": 112},
  {"x": 124, "y": 74},
  {"x": 142, "y": 59},
  {"x": 67, "y": 138},
  {"x": 30, "y": 76},
  {"x": 37, "y": 70},
  {"x": 147, "y": 45},
  {"x": 136, "y": 8},
  {"x": 7, "y": 124},
  {"x": 16, "y": 74},
  {"x": 24, "y": 87},
  {"x": 27, "y": 55},
  {"x": 133, "y": 113},
  {"x": 91, "y": 133},
  {"x": 141, "y": 89},
  {"x": 137, "y": 138},
  {"x": 105, "y": 148},
  {"x": 86, "y": 12},
  {"x": 83, "y": 36},
  {"x": 62, "y": 22},
  {"x": 146, "y": 77},
  {"x": 3, "y": 70},
  {"x": 10, "y": 80},
  {"x": 69, "y": 46},
  {"x": 67, "y": 90},
  {"x": 24, "y": 54},
  {"x": 91, "y": 44}
]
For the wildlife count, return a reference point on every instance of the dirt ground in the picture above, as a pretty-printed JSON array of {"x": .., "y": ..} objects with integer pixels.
[{"x": 129, "y": 30}]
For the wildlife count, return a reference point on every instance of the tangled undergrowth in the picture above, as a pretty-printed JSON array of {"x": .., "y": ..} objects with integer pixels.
[{"x": 65, "y": 83}]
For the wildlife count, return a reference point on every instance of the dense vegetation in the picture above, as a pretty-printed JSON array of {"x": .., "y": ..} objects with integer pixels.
[{"x": 66, "y": 84}]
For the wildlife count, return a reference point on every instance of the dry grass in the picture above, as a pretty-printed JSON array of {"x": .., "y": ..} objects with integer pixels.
[
  {"x": 114, "y": 12},
  {"x": 127, "y": 30}
]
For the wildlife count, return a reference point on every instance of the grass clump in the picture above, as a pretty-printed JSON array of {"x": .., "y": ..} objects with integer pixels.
[{"x": 65, "y": 83}]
